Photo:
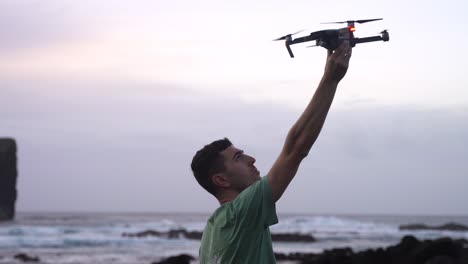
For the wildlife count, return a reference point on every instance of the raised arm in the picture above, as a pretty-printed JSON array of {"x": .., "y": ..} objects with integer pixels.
[{"x": 305, "y": 131}]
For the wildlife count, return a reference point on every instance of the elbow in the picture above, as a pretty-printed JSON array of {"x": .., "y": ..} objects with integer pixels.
[
  {"x": 302, "y": 147},
  {"x": 303, "y": 154},
  {"x": 297, "y": 147},
  {"x": 299, "y": 154}
]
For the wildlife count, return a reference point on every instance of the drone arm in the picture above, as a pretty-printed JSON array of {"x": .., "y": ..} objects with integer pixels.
[{"x": 368, "y": 39}]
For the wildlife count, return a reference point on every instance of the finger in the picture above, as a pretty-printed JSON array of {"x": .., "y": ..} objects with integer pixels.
[
  {"x": 347, "y": 57},
  {"x": 341, "y": 49},
  {"x": 349, "y": 52}
]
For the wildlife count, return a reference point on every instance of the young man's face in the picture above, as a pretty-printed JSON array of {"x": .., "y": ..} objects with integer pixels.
[{"x": 240, "y": 168}]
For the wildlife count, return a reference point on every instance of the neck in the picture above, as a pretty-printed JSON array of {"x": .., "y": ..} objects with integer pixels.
[
  {"x": 223, "y": 201},
  {"x": 227, "y": 196}
]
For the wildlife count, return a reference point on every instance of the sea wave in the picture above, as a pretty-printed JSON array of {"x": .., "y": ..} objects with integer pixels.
[
  {"x": 333, "y": 228},
  {"x": 325, "y": 229}
]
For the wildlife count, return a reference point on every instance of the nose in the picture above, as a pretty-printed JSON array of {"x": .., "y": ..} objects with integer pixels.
[{"x": 252, "y": 160}]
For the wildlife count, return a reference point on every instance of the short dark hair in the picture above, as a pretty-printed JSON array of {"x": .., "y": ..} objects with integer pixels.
[{"x": 208, "y": 161}]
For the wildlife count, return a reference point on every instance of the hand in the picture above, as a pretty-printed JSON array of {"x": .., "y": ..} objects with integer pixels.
[{"x": 338, "y": 62}]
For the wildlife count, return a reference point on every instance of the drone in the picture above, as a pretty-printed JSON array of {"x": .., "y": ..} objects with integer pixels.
[{"x": 332, "y": 38}]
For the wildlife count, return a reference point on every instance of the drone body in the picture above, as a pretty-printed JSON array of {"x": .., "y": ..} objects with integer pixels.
[{"x": 332, "y": 38}]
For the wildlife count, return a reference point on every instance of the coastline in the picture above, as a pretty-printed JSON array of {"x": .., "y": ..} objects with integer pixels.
[
  {"x": 98, "y": 238},
  {"x": 409, "y": 251}
]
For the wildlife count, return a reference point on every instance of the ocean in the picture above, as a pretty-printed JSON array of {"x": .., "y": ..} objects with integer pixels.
[{"x": 66, "y": 238}]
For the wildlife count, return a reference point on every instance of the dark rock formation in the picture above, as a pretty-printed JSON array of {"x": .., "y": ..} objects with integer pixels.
[
  {"x": 448, "y": 227},
  {"x": 196, "y": 235},
  {"x": 8, "y": 174},
  {"x": 25, "y": 258},
  {"x": 292, "y": 237},
  {"x": 409, "y": 251},
  {"x": 180, "y": 259},
  {"x": 295, "y": 256},
  {"x": 171, "y": 234}
]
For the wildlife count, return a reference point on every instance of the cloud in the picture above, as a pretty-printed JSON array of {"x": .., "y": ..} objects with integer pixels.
[
  {"x": 28, "y": 24},
  {"x": 128, "y": 146}
]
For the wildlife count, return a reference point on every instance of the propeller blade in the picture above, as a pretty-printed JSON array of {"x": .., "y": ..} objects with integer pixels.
[
  {"x": 312, "y": 46},
  {"x": 356, "y": 21},
  {"x": 367, "y": 20},
  {"x": 334, "y": 22},
  {"x": 298, "y": 32},
  {"x": 281, "y": 38},
  {"x": 288, "y": 35}
]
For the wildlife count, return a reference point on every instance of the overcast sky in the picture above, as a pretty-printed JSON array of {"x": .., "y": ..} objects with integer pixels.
[{"x": 109, "y": 100}]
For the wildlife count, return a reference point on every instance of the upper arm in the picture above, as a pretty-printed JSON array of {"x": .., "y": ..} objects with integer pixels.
[{"x": 282, "y": 172}]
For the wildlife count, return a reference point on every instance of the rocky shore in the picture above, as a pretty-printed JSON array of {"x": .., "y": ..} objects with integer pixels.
[
  {"x": 445, "y": 227},
  {"x": 409, "y": 251}
]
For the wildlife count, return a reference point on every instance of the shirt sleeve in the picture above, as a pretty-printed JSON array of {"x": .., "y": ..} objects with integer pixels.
[{"x": 254, "y": 206}]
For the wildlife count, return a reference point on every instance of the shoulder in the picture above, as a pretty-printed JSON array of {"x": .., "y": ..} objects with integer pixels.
[{"x": 260, "y": 188}]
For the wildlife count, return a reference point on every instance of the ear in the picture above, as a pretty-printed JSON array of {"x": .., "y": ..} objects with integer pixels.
[{"x": 220, "y": 180}]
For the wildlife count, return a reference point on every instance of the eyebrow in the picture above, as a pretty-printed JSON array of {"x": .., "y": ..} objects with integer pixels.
[{"x": 237, "y": 153}]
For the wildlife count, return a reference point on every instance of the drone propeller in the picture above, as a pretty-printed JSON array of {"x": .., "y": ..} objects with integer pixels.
[
  {"x": 384, "y": 31},
  {"x": 288, "y": 35},
  {"x": 367, "y": 20},
  {"x": 354, "y": 21}
]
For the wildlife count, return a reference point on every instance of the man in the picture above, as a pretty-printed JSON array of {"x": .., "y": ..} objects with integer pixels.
[{"x": 238, "y": 231}]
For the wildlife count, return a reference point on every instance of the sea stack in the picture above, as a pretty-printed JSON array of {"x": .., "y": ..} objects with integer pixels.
[{"x": 8, "y": 174}]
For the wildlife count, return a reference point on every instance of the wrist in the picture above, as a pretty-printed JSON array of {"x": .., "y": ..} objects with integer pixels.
[{"x": 328, "y": 80}]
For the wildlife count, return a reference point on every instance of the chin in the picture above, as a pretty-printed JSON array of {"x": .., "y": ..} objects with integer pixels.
[
  {"x": 257, "y": 177},
  {"x": 257, "y": 173}
]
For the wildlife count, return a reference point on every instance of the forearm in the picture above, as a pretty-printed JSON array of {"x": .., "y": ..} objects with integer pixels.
[{"x": 307, "y": 128}]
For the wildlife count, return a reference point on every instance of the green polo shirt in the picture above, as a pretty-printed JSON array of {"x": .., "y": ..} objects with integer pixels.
[{"x": 238, "y": 231}]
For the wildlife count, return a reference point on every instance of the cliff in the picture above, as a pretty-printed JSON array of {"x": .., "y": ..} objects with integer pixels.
[{"x": 8, "y": 174}]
